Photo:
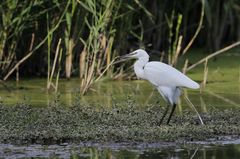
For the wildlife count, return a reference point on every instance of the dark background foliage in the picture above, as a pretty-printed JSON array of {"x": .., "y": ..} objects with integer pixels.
[{"x": 131, "y": 24}]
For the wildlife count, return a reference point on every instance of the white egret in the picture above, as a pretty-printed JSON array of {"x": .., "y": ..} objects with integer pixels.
[{"x": 165, "y": 78}]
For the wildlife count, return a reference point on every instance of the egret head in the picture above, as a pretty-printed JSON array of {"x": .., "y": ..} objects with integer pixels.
[{"x": 137, "y": 54}]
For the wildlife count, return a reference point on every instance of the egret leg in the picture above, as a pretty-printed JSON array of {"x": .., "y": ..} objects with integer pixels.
[
  {"x": 170, "y": 116},
  {"x": 164, "y": 114}
]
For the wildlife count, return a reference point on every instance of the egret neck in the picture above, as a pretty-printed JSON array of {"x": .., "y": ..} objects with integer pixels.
[{"x": 139, "y": 66}]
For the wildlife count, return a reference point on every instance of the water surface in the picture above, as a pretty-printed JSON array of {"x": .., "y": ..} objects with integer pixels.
[
  {"x": 152, "y": 151},
  {"x": 108, "y": 93}
]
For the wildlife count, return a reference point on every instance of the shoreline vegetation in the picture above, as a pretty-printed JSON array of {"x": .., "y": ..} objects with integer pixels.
[
  {"x": 24, "y": 124},
  {"x": 74, "y": 38}
]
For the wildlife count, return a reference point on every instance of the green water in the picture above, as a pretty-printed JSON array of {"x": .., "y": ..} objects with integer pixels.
[
  {"x": 222, "y": 90},
  {"x": 220, "y": 94}
]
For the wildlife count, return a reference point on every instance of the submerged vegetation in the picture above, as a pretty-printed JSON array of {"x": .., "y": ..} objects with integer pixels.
[
  {"x": 82, "y": 38},
  {"x": 23, "y": 124}
]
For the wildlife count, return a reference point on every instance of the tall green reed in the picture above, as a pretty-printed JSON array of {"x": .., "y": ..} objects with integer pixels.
[
  {"x": 71, "y": 33},
  {"x": 30, "y": 22},
  {"x": 52, "y": 26},
  {"x": 174, "y": 41},
  {"x": 14, "y": 18},
  {"x": 96, "y": 54},
  {"x": 94, "y": 32}
]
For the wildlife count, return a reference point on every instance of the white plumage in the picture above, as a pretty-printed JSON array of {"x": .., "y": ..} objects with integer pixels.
[
  {"x": 165, "y": 75},
  {"x": 165, "y": 78}
]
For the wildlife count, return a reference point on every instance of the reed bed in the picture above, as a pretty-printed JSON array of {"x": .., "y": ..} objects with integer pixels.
[{"x": 95, "y": 32}]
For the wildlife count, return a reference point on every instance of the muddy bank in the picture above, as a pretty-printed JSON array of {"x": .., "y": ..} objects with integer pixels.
[{"x": 24, "y": 124}]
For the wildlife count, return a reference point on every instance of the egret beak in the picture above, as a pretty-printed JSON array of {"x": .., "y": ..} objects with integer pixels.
[{"x": 128, "y": 56}]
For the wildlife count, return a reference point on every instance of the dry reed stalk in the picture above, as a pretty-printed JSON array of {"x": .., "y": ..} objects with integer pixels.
[
  {"x": 102, "y": 53},
  {"x": 59, "y": 69},
  {"x": 82, "y": 59},
  {"x": 108, "y": 53},
  {"x": 99, "y": 63},
  {"x": 193, "y": 107},
  {"x": 222, "y": 98},
  {"x": 86, "y": 68},
  {"x": 108, "y": 50},
  {"x": 213, "y": 54},
  {"x": 3, "y": 43},
  {"x": 107, "y": 68},
  {"x": 203, "y": 104},
  {"x": 69, "y": 56},
  {"x": 185, "y": 66},
  {"x": 178, "y": 49},
  {"x": 205, "y": 74},
  {"x": 162, "y": 56},
  {"x": 87, "y": 81},
  {"x": 54, "y": 65},
  {"x": 17, "y": 74}
]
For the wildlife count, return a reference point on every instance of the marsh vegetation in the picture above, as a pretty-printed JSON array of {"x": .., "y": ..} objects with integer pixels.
[{"x": 82, "y": 38}]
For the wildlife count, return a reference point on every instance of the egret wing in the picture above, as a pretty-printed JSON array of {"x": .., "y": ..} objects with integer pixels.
[{"x": 161, "y": 74}]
